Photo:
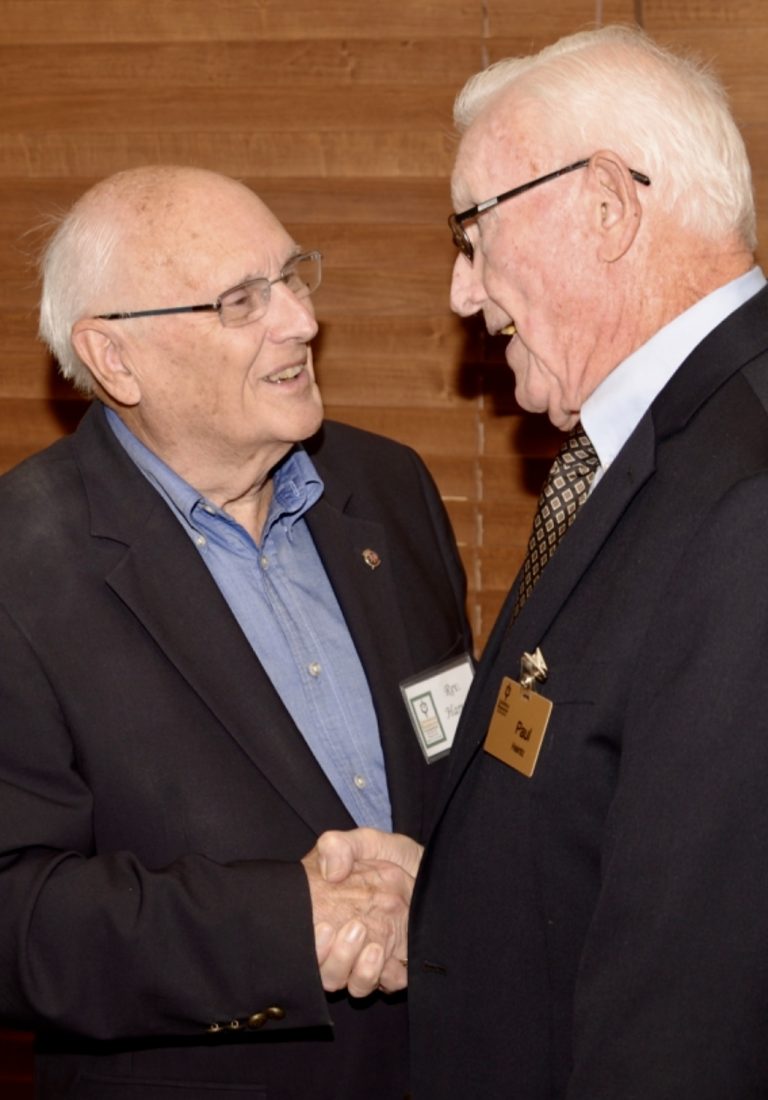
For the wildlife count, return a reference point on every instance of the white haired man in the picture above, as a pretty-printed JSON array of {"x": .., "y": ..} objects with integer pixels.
[
  {"x": 590, "y": 919},
  {"x": 204, "y": 625}
]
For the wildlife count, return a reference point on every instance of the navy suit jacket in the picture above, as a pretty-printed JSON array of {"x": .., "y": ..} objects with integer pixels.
[
  {"x": 600, "y": 931},
  {"x": 156, "y": 796}
]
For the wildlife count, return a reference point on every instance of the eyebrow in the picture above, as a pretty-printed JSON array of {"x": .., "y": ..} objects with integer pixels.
[{"x": 297, "y": 250}]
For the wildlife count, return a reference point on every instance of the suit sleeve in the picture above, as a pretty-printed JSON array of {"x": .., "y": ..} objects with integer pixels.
[
  {"x": 672, "y": 997},
  {"x": 102, "y": 946}
]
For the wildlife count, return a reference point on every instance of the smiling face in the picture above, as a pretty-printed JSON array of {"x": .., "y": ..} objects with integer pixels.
[
  {"x": 536, "y": 272},
  {"x": 200, "y": 395}
]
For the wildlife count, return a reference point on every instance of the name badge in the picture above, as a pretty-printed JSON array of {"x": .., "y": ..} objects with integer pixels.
[
  {"x": 434, "y": 700},
  {"x": 520, "y": 718}
]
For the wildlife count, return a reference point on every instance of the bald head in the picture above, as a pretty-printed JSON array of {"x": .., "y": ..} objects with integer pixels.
[
  {"x": 137, "y": 240},
  {"x": 133, "y": 282},
  {"x": 165, "y": 217}
]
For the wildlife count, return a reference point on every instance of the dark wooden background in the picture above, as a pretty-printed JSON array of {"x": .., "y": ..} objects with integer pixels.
[{"x": 338, "y": 112}]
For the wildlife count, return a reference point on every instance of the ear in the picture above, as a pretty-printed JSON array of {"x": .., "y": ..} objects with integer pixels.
[
  {"x": 619, "y": 212},
  {"x": 102, "y": 352}
]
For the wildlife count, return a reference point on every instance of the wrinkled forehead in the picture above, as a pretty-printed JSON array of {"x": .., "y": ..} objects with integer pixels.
[
  {"x": 496, "y": 151},
  {"x": 198, "y": 231}
]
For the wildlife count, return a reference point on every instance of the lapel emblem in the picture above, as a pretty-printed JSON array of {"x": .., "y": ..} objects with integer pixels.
[{"x": 371, "y": 559}]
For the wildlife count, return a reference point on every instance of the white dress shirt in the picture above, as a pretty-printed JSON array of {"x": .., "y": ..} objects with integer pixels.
[{"x": 613, "y": 411}]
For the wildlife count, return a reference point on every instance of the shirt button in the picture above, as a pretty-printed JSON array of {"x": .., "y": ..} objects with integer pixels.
[
  {"x": 264, "y": 561},
  {"x": 209, "y": 509},
  {"x": 360, "y": 782},
  {"x": 314, "y": 668},
  {"x": 200, "y": 540}
]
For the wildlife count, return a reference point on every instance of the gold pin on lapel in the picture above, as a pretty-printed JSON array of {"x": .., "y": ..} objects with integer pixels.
[{"x": 371, "y": 559}]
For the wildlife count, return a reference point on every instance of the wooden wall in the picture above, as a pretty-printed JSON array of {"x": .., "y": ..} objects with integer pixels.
[{"x": 338, "y": 112}]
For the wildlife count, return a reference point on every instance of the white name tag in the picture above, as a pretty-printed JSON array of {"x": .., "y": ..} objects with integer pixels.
[{"x": 435, "y": 700}]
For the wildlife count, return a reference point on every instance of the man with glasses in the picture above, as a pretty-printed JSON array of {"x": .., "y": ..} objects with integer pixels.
[
  {"x": 590, "y": 919},
  {"x": 209, "y": 600}
]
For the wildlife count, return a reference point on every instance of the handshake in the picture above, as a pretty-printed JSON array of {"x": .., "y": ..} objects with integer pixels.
[{"x": 360, "y": 885}]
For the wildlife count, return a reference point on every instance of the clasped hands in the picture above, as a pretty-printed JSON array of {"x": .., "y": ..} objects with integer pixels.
[{"x": 360, "y": 885}]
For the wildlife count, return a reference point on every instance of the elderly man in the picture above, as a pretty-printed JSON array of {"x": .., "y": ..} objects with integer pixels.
[
  {"x": 590, "y": 920},
  {"x": 204, "y": 625}
]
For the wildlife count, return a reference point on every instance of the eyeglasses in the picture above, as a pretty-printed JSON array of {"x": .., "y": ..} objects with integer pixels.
[
  {"x": 456, "y": 221},
  {"x": 248, "y": 301}
]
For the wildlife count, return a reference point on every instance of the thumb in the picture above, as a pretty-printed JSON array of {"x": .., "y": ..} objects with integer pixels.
[{"x": 336, "y": 855}]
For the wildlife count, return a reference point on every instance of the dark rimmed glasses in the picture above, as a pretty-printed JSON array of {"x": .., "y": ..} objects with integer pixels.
[
  {"x": 456, "y": 221},
  {"x": 248, "y": 301}
]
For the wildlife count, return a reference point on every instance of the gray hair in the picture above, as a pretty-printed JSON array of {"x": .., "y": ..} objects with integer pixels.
[
  {"x": 74, "y": 268},
  {"x": 665, "y": 114}
]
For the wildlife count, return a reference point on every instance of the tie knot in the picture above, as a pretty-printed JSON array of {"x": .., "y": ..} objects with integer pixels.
[{"x": 577, "y": 450}]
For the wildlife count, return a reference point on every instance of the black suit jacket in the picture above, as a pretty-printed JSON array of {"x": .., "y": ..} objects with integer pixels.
[
  {"x": 155, "y": 794},
  {"x": 600, "y": 930}
]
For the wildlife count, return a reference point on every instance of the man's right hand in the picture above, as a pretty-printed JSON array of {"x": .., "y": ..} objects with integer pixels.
[
  {"x": 340, "y": 851},
  {"x": 360, "y": 885}
]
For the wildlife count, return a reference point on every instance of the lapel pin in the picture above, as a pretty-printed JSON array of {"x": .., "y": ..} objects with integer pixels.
[{"x": 371, "y": 559}]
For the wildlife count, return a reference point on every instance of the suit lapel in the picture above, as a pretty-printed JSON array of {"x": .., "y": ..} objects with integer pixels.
[
  {"x": 593, "y": 525},
  {"x": 369, "y": 600},
  {"x": 725, "y": 351},
  {"x": 580, "y": 546},
  {"x": 159, "y": 576}
]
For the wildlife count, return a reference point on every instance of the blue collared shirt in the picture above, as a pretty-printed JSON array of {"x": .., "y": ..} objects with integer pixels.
[
  {"x": 612, "y": 412},
  {"x": 281, "y": 596}
]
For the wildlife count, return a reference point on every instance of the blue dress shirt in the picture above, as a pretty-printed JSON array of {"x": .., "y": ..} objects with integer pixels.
[{"x": 281, "y": 596}]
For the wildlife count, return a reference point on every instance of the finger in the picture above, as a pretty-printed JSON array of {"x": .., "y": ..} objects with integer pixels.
[
  {"x": 324, "y": 934},
  {"x": 391, "y": 848},
  {"x": 394, "y": 975},
  {"x": 339, "y": 851},
  {"x": 388, "y": 877},
  {"x": 366, "y": 973},
  {"x": 342, "y": 955},
  {"x": 336, "y": 852}
]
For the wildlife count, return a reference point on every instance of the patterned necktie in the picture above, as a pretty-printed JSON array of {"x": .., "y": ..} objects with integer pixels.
[{"x": 564, "y": 492}]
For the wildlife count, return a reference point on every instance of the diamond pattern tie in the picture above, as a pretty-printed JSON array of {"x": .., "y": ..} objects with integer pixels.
[{"x": 564, "y": 492}]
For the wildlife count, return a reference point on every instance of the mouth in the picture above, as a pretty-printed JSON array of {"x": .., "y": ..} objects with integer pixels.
[{"x": 286, "y": 374}]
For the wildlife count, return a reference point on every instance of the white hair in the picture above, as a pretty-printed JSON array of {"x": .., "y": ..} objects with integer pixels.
[
  {"x": 74, "y": 269},
  {"x": 665, "y": 114},
  {"x": 79, "y": 263}
]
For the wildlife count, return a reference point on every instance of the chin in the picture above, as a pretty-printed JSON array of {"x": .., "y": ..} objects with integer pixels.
[
  {"x": 528, "y": 401},
  {"x": 311, "y": 423}
]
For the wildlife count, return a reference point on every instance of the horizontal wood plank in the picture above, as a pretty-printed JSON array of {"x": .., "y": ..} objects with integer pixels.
[
  {"x": 312, "y": 200},
  {"x": 323, "y": 153},
  {"x": 341, "y": 120},
  {"x": 530, "y": 25},
  {"x": 327, "y": 109},
  {"x": 259, "y": 71},
  {"x": 100, "y": 21},
  {"x": 696, "y": 16}
]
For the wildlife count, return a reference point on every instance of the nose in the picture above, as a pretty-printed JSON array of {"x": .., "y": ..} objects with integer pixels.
[
  {"x": 291, "y": 317},
  {"x": 467, "y": 291}
]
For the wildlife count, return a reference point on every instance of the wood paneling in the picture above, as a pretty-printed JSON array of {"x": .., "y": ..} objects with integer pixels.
[
  {"x": 342, "y": 123},
  {"x": 104, "y": 21},
  {"x": 339, "y": 116}
]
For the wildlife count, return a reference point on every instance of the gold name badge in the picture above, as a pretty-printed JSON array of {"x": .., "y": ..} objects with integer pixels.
[{"x": 518, "y": 725}]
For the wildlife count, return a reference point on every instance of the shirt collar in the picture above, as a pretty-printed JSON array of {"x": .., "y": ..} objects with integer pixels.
[
  {"x": 296, "y": 483},
  {"x": 611, "y": 413}
]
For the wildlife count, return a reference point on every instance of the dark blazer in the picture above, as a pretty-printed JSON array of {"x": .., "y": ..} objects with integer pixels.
[
  {"x": 600, "y": 930},
  {"x": 155, "y": 795}
]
